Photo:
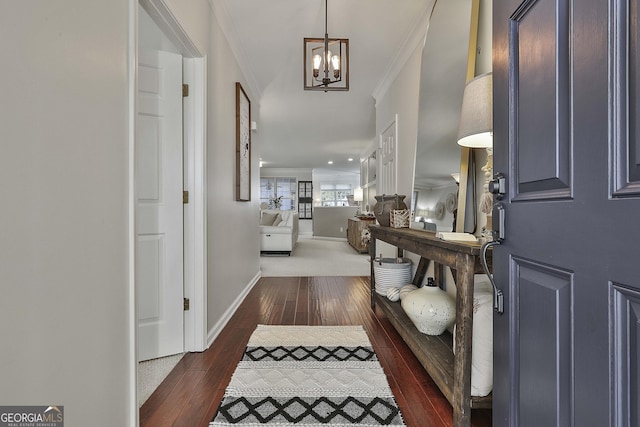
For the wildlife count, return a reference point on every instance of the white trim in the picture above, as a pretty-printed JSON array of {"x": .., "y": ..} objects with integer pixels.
[
  {"x": 132, "y": 75},
  {"x": 195, "y": 212},
  {"x": 195, "y": 219},
  {"x": 162, "y": 15},
  {"x": 332, "y": 239},
  {"x": 195, "y": 286},
  {"x": 414, "y": 39},
  {"x": 226, "y": 316}
]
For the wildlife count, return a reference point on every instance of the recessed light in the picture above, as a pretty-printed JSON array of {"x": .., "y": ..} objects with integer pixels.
[
  {"x": 330, "y": 162},
  {"x": 350, "y": 159}
]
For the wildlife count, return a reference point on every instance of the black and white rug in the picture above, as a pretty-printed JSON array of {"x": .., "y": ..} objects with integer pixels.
[{"x": 311, "y": 376}]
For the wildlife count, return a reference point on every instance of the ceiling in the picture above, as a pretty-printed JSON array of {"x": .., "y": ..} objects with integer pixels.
[{"x": 307, "y": 129}]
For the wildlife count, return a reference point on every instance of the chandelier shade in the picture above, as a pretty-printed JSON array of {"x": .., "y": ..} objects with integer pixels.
[{"x": 326, "y": 62}]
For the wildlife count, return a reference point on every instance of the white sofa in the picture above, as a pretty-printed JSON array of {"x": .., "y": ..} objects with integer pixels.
[{"x": 278, "y": 231}]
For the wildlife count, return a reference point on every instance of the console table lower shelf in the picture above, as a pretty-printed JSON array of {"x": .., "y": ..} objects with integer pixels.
[{"x": 435, "y": 353}]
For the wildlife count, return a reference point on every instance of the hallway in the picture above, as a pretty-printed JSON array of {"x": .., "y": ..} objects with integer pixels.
[{"x": 191, "y": 393}]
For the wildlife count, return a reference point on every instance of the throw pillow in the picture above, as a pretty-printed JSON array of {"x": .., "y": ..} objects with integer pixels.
[
  {"x": 268, "y": 218},
  {"x": 482, "y": 341}
]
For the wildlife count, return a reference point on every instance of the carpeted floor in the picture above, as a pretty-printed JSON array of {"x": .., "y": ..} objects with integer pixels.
[
  {"x": 152, "y": 372},
  {"x": 317, "y": 257},
  {"x": 310, "y": 376}
]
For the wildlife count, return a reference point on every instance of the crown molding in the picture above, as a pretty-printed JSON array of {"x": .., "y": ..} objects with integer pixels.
[
  {"x": 221, "y": 14},
  {"x": 414, "y": 39}
]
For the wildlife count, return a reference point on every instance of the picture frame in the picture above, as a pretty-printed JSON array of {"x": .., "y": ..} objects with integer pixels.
[{"x": 243, "y": 145}]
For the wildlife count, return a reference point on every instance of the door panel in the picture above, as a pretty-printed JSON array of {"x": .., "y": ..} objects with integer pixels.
[
  {"x": 543, "y": 295},
  {"x": 540, "y": 72},
  {"x": 159, "y": 251},
  {"x": 630, "y": 71},
  {"x": 626, "y": 354},
  {"x": 388, "y": 166},
  {"x": 566, "y": 349},
  {"x": 626, "y": 105}
]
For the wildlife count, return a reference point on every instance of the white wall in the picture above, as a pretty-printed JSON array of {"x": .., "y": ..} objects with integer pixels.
[
  {"x": 402, "y": 99},
  {"x": 301, "y": 174},
  {"x": 64, "y": 240}
]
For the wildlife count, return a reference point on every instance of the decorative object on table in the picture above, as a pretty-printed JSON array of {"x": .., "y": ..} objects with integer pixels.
[
  {"x": 385, "y": 204},
  {"x": 393, "y": 294},
  {"x": 451, "y": 202},
  {"x": 391, "y": 273},
  {"x": 308, "y": 375},
  {"x": 438, "y": 211},
  {"x": 275, "y": 202},
  {"x": 406, "y": 290},
  {"x": 431, "y": 309},
  {"x": 456, "y": 237},
  {"x": 365, "y": 236},
  {"x": 486, "y": 202},
  {"x": 400, "y": 218},
  {"x": 243, "y": 145}
]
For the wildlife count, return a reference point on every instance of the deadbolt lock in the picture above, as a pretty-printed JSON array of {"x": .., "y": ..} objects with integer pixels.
[{"x": 498, "y": 186}]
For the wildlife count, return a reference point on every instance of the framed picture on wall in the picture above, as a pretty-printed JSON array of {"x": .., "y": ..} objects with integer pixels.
[{"x": 243, "y": 145}]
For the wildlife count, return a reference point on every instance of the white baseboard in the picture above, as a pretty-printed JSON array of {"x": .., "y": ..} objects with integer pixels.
[
  {"x": 335, "y": 239},
  {"x": 220, "y": 324}
]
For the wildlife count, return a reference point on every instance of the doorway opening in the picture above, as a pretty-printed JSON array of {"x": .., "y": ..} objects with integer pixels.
[{"x": 158, "y": 31}]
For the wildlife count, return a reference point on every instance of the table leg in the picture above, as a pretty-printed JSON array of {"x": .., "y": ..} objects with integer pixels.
[
  {"x": 463, "y": 340},
  {"x": 372, "y": 256}
]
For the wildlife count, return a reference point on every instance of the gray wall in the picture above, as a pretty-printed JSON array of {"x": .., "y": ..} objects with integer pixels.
[
  {"x": 64, "y": 240},
  {"x": 332, "y": 221},
  {"x": 66, "y": 314},
  {"x": 233, "y": 227}
]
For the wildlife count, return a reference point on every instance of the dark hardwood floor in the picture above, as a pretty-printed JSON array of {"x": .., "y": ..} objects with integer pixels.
[{"x": 190, "y": 395}]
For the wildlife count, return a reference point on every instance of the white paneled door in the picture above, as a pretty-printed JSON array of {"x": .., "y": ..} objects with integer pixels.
[
  {"x": 159, "y": 252},
  {"x": 387, "y": 182}
]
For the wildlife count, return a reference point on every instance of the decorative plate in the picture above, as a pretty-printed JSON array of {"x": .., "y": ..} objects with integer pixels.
[
  {"x": 439, "y": 210},
  {"x": 451, "y": 202}
]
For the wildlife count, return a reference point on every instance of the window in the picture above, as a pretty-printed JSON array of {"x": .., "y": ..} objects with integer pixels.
[
  {"x": 335, "y": 194},
  {"x": 278, "y": 193}
]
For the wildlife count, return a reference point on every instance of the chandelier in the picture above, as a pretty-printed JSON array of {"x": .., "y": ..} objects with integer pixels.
[{"x": 326, "y": 62}]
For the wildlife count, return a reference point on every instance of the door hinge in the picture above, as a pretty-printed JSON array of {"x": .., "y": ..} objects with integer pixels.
[
  {"x": 185, "y": 197},
  {"x": 186, "y": 304},
  {"x": 185, "y": 90}
]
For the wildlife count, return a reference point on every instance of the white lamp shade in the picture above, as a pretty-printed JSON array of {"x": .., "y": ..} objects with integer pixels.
[
  {"x": 357, "y": 194},
  {"x": 476, "y": 117}
]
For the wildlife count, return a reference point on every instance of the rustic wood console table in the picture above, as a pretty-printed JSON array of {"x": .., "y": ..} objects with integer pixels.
[{"x": 452, "y": 373}]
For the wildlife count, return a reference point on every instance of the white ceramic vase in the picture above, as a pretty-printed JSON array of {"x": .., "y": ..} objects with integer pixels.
[{"x": 431, "y": 309}]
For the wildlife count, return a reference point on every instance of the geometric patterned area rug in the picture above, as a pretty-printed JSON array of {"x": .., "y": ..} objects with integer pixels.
[{"x": 309, "y": 376}]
